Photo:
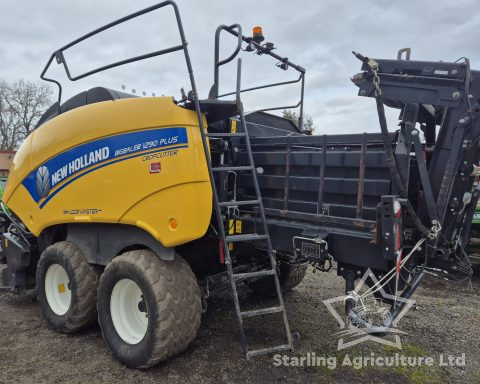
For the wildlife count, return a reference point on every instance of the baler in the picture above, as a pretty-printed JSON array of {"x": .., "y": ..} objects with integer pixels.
[{"x": 218, "y": 195}]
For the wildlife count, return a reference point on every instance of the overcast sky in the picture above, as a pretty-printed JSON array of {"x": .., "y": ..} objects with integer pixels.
[{"x": 317, "y": 34}]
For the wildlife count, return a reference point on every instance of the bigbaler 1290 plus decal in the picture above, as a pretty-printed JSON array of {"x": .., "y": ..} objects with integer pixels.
[{"x": 216, "y": 193}]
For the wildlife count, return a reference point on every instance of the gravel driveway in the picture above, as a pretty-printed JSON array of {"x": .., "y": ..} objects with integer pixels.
[{"x": 445, "y": 321}]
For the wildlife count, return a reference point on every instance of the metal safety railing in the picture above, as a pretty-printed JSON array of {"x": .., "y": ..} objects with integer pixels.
[
  {"x": 59, "y": 56},
  {"x": 260, "y": 49}
]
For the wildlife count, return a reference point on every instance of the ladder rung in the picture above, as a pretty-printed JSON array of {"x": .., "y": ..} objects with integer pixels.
[
  {"x": 238, "y": 168},
  {"x": 260, "y": 312},
  {"x": 264, "y": 351},
  {"x": 249, "y": 275},
  {"x": 248, "y": 237},
  {"x": 229, "y": 134},
  {"x": 241, "y": 202}
]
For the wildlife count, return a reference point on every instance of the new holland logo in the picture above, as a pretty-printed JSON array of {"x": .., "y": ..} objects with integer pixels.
[{"x": 43, "y": 181}]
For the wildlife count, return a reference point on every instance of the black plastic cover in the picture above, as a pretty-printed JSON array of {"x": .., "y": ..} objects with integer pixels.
[
  {"x": 18, "y": 256},
  {"x": 94, "y": 95}
]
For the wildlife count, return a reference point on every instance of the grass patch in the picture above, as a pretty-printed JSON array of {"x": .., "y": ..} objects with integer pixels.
[
  {"x": 407, "y": 350},
  {"x": 421, "y": 374}
]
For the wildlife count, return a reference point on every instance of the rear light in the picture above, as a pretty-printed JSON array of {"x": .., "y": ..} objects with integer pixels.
[
  {"x": 389, "y": 224},
  {"x": 397, "y": 226},
  {"x": 397, "y": 232}
]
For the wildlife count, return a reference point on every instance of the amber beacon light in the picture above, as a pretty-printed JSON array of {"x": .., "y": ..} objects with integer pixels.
[{"x": 258, "y": 34}]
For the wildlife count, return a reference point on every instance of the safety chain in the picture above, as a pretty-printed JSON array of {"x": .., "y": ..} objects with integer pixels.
[
  {"x": 376, "y": 80},
  {"x": 434, "y": 230}
]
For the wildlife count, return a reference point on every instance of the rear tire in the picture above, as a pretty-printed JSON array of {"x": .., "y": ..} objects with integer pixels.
[
  {"x": 66, "y": 287},
  {"x": 290, "y": 276},
  {"x": 148, "y": 309}
]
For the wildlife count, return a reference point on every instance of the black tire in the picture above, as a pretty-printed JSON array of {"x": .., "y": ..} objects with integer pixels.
[
  {"x": 83, "y": 286},
  {"x": 290, "y": 275},
  {"x": 173, "y": 305}
]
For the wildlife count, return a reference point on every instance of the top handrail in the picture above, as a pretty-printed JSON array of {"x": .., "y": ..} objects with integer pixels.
[
  {"x": 239, "y": 34},
  {"x": 236, "y": 30},
  {"x": 60, "y": 58}
]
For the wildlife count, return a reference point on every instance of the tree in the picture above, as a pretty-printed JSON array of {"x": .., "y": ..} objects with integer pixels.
[
  {"x": 22, "y": 103},
  {"x": 307, "y": 125}
]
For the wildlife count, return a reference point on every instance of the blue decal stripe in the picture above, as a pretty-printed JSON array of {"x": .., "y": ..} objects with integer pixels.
[
  {"x": 110, "y": 161},
  {"x": 67, "y": 164},
  {"x": 104, "y": 165}
]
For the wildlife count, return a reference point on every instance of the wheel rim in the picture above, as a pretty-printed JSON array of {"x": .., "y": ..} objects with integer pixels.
[
  {"x": 129, "y": 311},
  {"x": 57, "y": 289}
]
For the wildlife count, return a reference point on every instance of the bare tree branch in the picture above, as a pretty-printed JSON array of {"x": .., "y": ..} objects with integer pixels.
[{"x": 22, "y": 103}]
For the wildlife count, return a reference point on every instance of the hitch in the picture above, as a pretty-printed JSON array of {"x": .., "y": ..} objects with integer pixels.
[
  {"x": 392, "y": 317},
  {"x": 314, "y": 251}
]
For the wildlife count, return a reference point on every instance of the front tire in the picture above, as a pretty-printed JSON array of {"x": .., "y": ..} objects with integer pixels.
[
  {"x": 66, "y": 287},
  {"x": 148, "y": 309}
]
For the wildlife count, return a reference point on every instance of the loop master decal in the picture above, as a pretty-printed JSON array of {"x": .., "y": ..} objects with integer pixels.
[{"x": 70, "y": 165}]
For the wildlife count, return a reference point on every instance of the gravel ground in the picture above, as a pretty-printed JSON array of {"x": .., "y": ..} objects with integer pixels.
[{"x": 446, "y": 320}]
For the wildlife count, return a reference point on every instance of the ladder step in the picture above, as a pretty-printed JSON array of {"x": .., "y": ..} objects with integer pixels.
[
  {"x": 248, "y": 237},
  {"x": 249, "y": 275},
  {"x": 226, "y": 134},
  {"x": 260, "y": 312},
  {"x": 264, "y": 351},
  {"x": 238, "y": 168},
  {"x": 241, "y": 202}
]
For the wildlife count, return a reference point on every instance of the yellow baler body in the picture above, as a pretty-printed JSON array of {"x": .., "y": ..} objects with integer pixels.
[{"x": 137, "y": 161}]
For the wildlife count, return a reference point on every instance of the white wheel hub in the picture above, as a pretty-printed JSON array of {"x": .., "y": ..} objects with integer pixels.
[
  {"x": 129, "y": 311},
  {"x": 57, "y": 289}
]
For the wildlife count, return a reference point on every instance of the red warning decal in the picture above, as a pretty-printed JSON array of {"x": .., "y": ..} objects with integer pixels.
[{"x": 155, "y": 167}]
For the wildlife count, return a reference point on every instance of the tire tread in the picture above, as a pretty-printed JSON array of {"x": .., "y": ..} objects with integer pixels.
[
  {"x": 84, "y": 310},
  {"x": 178, "y": 299}
]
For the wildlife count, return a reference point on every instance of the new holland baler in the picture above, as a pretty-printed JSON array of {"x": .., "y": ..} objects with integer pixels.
[{"x": 133, "y": 209}]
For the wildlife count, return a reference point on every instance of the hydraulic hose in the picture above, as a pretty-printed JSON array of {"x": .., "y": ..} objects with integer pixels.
[
  {"x": 390, "y": 161},
  {"x": 392, "y": 166}
]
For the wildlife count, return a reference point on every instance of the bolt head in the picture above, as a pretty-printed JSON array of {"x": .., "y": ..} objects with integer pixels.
[
  {"x": 363, "y": 92},
  {"x": 456, "y": 95},
  {"x": 454, "y": 72}
]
